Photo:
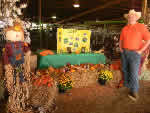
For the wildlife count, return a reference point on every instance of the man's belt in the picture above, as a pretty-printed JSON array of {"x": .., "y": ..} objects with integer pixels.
[{"x": 130, "y": 49}]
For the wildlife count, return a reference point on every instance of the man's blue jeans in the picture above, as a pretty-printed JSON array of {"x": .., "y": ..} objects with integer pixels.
[{"x": 130, "y": 67}]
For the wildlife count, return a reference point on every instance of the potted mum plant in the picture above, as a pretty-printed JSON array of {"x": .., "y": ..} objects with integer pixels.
[
  {"x": 104, "y": 76},
  {"x": 64, "y": 83}
]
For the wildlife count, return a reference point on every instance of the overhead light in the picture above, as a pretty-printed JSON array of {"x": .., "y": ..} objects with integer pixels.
[
  {"x": 76, "y": 4},
  {"x": 53, "y": 17}
]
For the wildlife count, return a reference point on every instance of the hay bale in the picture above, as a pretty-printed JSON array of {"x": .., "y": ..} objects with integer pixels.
[
  {"x": 117, "y": 77},
  {"x": 82, "y": 78},
  {"x": 42, "y": 98},
  {"x": 145, "y": 75}
]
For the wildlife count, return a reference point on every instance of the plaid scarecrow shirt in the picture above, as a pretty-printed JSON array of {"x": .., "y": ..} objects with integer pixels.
[{"x": 7, "y": 52}]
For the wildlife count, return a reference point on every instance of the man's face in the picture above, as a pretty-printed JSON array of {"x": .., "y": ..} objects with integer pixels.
[{"x": 132, "y": 18}]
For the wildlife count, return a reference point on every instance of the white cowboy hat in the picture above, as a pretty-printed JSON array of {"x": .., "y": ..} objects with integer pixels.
[{"x": 138, "y": 14}]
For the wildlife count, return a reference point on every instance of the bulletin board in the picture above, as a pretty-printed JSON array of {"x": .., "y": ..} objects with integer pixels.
[{"x": 73, "y": 40}]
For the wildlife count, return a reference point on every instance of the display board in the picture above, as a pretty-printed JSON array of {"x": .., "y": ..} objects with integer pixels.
[{"x": 73, "y": 40}]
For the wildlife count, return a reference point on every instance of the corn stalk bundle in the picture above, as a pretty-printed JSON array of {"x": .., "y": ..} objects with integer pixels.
[
  {"x": 18, "y": 92},
  {"x": 1, "y": 70}
]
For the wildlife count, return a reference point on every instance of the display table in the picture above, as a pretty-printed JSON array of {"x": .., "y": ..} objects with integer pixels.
[{"x": 59, "y": 60}]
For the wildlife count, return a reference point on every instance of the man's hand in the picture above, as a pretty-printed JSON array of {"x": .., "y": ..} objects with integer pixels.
[
  {"x": 139, "y": 52},
  {"x": 121, "y": 50}
]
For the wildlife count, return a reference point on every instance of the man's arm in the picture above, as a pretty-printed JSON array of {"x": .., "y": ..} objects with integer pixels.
[
  {"x": 144, "y": 47},
  {"x": 120, "y": 46},
  {"x": 121, "y": 41}
]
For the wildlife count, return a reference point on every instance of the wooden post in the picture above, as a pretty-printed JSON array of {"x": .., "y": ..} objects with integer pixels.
[
  {"x": 40, "y": 16},
  {"x": 144, "y": 10},
  {"x": 148, "y": 16}
]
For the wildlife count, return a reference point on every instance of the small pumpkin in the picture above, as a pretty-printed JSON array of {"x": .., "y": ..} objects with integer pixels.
[
  {"x": 49, "y": 85},
  {"x": 51, "y": 69},
  {"x": 44, "y": 81},
  {"x": 92, "y": 68},
  {"x": 77, "y": 52},
  {"x": 72, "y": 70},
  {"x": 82, "y": 65}
]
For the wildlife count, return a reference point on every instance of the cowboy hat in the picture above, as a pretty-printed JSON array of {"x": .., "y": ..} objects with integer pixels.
[{"x": 138, "y": 14}]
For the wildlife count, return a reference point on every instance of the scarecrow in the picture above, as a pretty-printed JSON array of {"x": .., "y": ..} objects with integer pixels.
[{"x": 17, "y": 74}]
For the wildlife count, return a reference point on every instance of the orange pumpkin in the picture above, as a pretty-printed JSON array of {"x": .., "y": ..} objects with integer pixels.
[
  {"x": 37, "y": 82},
  {"x": 46, "y": 52},
  {"x": 82, "y": 65},
  {"x": 44, "y": 81},
  {"x": 49, "y": 85},
  {"x": 72, "y": 70},
  {"x": 61, "y": 70},
  {"x": 77, "y": 52},
  {"x": 92, "y": 68},
  {"x": 51, "y": 69}
]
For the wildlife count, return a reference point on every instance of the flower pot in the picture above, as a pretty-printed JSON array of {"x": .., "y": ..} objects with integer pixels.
[
  {"x": 62, "y": 90},
  {"x": 101, "y": 81}
]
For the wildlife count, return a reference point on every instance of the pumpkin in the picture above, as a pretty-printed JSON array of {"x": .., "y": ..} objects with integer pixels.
[
  {"x": 92, "y": 68},
  {"x": 61, "y": 70},
  {"x": 82, "y": 65},
  {"x": 116, "y": 65},
  {"x": 46, "y": 52},
  {"x": 44, "y": 81},
  {"x": 77, "y": 52},
  {"x": 51, "y": 69},
  {"x": 49, "y": 85},
  {"x": 72, "y": 70}
]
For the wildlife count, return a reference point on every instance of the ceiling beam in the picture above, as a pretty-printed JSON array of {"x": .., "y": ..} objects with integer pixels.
[{"x": 108, "y": 4}]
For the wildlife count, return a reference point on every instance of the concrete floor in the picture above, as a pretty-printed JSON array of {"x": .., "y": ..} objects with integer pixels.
[{"x": 100, "y": 99}]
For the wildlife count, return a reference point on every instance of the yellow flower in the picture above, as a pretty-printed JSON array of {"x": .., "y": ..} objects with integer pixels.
[{"x": 105, "y": 74}]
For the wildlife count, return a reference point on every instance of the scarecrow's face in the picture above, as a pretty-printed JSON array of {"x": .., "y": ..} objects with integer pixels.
[{"x": 13, "y": 36}]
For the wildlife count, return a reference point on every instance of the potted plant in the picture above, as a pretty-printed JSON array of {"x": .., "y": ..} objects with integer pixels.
[
  {"x": 104, "y": 76},
  {"x": 64, "y": 83}
]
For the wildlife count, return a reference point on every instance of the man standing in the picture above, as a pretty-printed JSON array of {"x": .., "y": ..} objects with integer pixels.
[{"x": 131, "y": 47}]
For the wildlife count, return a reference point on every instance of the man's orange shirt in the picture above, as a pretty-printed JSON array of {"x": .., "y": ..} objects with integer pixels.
[{"x": 132, "y": 36}]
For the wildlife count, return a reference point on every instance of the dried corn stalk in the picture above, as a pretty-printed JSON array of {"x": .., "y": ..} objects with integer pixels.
[
  {"x": 1, "y": 70},
  {"x": 18, "y": 92}
]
